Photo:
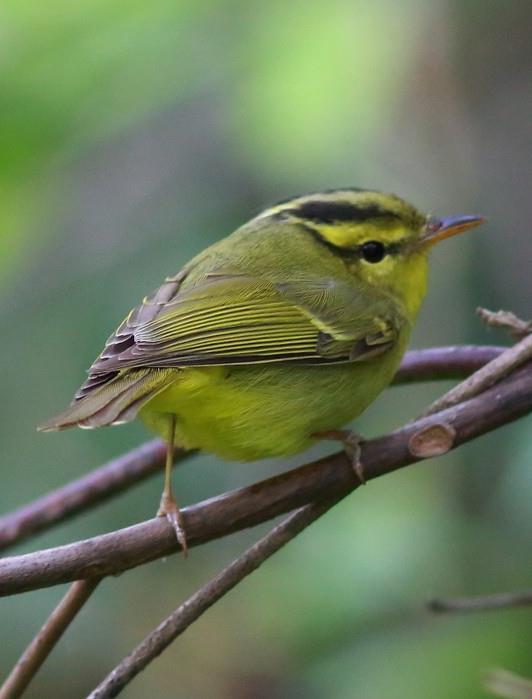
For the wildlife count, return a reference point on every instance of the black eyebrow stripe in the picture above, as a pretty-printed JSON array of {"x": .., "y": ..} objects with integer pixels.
[{"x": 331, "y": 211}]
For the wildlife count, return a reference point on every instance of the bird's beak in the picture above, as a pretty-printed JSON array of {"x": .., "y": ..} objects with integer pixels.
[{"x": 437, "y": 229}]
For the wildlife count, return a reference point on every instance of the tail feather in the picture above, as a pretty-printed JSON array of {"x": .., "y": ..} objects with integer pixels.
[{"x": 116, "y": 402}]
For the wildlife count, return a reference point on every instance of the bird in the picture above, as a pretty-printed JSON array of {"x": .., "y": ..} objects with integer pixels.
[{"x": 272, "y": 338}]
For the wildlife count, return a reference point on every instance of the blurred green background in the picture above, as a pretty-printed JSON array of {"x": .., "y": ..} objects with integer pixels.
[{"x": 133, "y": 134}]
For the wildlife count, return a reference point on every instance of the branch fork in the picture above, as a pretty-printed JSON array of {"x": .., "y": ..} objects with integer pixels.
[{"x": 308, "y": 491}]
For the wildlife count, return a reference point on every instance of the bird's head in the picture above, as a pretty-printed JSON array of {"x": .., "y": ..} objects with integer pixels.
[{"x": 381, "y": 238}]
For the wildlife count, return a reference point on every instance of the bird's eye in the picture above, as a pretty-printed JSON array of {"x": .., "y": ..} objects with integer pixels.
[{"x": 373, "y": 251}]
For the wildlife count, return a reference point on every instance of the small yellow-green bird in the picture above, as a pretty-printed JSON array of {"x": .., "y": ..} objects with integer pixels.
[{"x": 274, "y": 337}]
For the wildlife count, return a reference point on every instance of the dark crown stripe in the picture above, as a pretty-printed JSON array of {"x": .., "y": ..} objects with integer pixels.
[
  {"x": 338, "y": 191},
  {"x": 332, "y": 211}
]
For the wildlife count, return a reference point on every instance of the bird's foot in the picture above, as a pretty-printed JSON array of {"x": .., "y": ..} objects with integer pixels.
[
  {"x": 168, "y": 508},
  {"x": 351, "y": 441}
]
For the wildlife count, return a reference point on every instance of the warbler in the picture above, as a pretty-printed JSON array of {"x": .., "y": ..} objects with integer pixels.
[{"x": 273, "y": 338}]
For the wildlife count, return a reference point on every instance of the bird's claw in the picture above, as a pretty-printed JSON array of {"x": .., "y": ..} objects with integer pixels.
[
  {"x": 351, "y": 441},
  {"x": 353, "y": 450},
  {"x": 168, "y": 508}
]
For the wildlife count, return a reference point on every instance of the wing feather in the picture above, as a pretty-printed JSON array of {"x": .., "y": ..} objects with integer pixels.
[{"x": 236, "y": 319}]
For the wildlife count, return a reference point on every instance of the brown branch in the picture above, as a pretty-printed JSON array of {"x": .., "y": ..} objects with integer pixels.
[
  {"x": 485, "y": 377},
  {"x": 198, "y": 603},
  {"x": 437, "y": 438},
  {"x": 236, "y": 510},
  {"x": 82, "y": 493},
  {"x": 125, "y": 471},
  {"x": 503, "y": 600},
  {"x": 131, "y": 468},
  {"x": 444, "y": 363},
  {"x": 41, "y": 646}
]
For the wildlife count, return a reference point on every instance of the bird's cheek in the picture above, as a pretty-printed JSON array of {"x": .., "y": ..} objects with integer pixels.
[{"x": 378, "y": 270}]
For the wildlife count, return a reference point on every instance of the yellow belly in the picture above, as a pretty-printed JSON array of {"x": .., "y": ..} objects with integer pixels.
[{"x": 253, "y": 412}]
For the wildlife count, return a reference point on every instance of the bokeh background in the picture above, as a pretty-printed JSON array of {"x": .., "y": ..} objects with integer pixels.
[{"x": 133, "y": 134}]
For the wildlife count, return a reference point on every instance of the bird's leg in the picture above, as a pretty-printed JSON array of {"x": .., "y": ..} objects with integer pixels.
[
  {"x": 169, "y": 507},
  {"x": 351, "y": 441}
]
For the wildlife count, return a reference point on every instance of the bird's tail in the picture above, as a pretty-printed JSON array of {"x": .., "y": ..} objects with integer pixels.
[{"x": 114, "y": 402}]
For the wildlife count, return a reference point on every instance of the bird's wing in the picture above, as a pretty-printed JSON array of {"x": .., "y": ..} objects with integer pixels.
[{"x": 238, "y": 319}]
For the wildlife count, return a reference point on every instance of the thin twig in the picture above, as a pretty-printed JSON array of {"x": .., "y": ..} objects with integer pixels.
[
  {"x": 131, "y": 468},
  {"x": 233, "y": 511},
  {"x": 506, "y": 319},
  {"x": 485, "y": 377},
  {"x": 125, "y": 471},
  {"x": 174, "y": 625},
  {"x": 482, "y": 603},
  {"x": 52, "y": 630},
  {"x": 32, "y": 652},
  {"x": 181, "y": 618},
  {"x": 82, "y": 493}
]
